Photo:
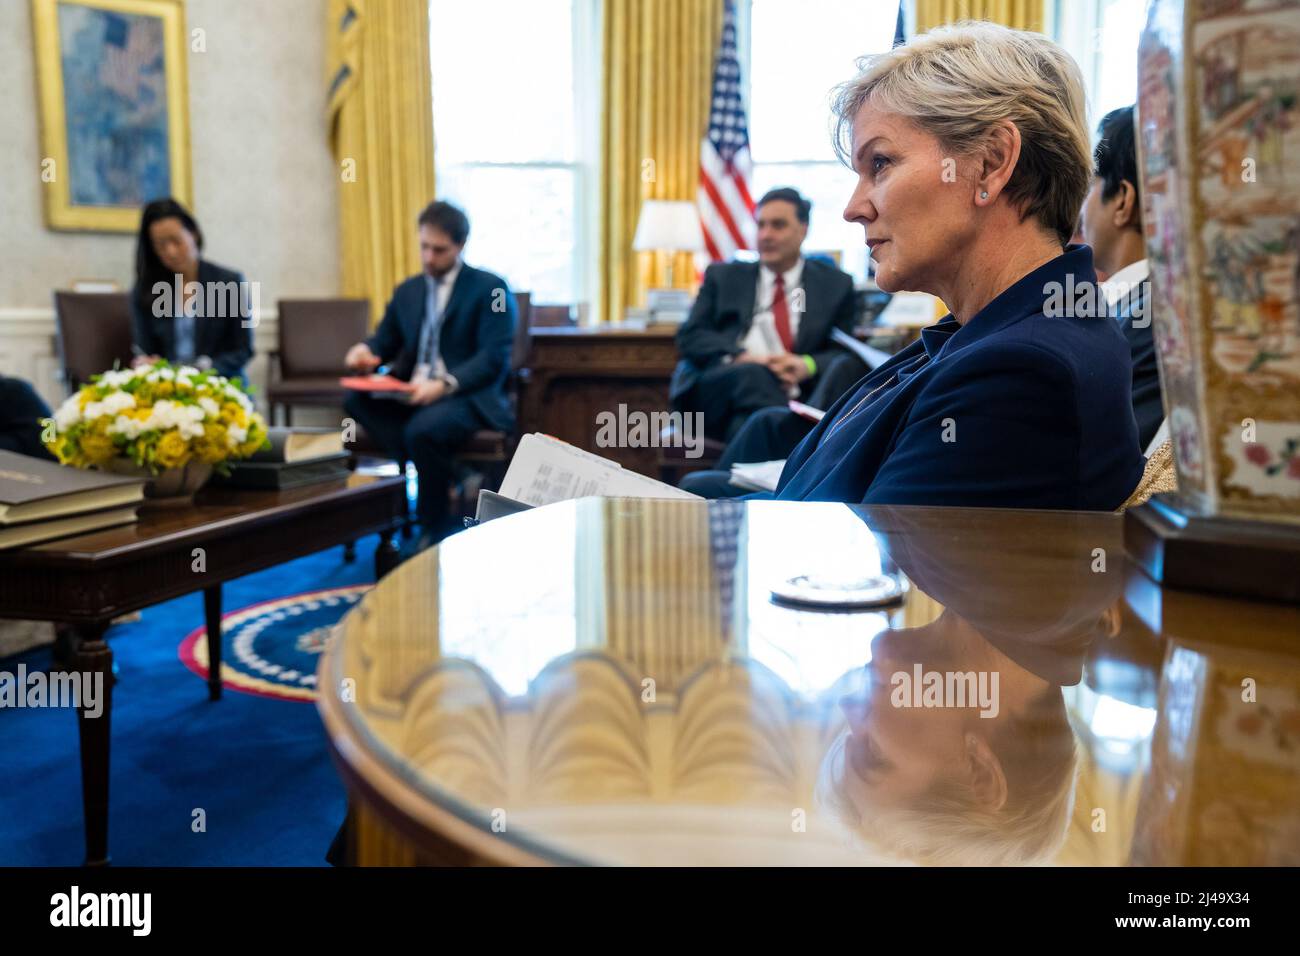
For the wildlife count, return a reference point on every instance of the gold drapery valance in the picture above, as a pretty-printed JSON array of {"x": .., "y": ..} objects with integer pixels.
[
  {"x": 1018, "y": 14},
  {"x": 657, "y": 80},
  {"x": 381, "y": 134}
]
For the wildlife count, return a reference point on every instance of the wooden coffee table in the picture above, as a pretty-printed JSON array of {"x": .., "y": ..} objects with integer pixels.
[{"x": 88, "y": 580}]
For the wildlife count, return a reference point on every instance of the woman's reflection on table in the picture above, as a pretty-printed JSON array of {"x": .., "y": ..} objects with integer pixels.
[{"x": 958, "y": 749}]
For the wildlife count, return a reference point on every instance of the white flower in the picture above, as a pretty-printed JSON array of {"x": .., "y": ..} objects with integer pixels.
[
  {"x": 116, "y": 378},
  {"x": 236, "y": 435},
  {"x": 243, "y": 401},
  {"x": 69, "y": 413},
  {"x": 125, "y": 426},
  {"x": 115, "y": 402},
  {"x": 209, "y": 406}
]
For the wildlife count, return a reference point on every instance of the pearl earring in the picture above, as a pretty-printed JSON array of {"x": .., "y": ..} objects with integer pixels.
[{"x": 984, "y": 194}]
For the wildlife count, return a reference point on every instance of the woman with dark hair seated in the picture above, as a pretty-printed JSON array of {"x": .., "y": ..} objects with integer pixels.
[
  {"x": 972, "y": 154},
  {"x": 186, "y": 309}
]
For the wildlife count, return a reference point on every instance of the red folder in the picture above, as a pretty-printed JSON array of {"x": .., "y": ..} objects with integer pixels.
[{"x": 375, "y": 383}]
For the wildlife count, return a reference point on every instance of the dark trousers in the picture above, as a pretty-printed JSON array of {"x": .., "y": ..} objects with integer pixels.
[
  {"x": 728, "y": 395},
  {"x": 21, "y": 411},
  {"x": 770, "y": 434},
  {"x": 427, "y": 435}
]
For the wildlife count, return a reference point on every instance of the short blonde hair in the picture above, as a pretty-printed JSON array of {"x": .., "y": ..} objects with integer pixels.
[
  {"x": 946, "y": 826},
  {"x": 955, "y": 82}
]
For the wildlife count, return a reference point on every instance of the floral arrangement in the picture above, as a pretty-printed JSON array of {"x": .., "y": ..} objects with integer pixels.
[{"x": 156, "y": 416}]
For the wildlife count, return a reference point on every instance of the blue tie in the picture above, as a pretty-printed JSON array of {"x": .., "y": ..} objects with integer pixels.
[{"x": 432, "y": 319}]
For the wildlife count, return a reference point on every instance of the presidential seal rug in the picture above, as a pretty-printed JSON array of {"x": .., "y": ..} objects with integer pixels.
[{"x": 271, "y": 649}]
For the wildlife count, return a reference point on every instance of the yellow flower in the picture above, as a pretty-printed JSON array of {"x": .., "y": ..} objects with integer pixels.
[
  {"x": 213, "y": 446},
  {"x": 97, "y": 448},
  {"x": 55, "y": 448},
  {"x": 256, "y": 439},
  {"x": 173, "y": 450}
]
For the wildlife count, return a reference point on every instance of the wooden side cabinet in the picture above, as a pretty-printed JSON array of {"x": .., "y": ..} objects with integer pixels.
[{"x": 577, "y": 373}]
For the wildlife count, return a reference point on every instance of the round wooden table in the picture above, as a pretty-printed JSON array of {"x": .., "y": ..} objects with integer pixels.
[{"x": 613, "y": 682}]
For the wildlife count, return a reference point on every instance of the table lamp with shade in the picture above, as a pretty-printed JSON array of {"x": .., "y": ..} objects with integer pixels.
[{"x": 669, "y": 226}]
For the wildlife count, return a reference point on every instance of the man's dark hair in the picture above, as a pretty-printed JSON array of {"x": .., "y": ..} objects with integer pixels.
[
  {"x": 802, "y": 207},
  {"x": 445, "y": 217},
  {"x": 1116, "y": 153}
]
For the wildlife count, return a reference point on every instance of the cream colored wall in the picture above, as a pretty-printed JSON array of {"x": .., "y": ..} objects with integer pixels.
[{"x": 264, "y": 183}]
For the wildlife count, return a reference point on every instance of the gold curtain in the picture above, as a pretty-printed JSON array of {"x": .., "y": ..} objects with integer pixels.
[
  {"x": 656, "y": 83},
  {"x": 1019, "y": 14},
  {"x": 381, "y": 134}
]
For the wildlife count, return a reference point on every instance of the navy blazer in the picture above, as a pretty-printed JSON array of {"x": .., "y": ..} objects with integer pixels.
[
  {"x": 21, "y": 413},
  {"x": 1147, "y": 406},
  {"x": 226, "y": 339},
  {"x": 478, "y": 327},
  {"x": 724, "y": 311},
  {"x": 1015, "y": 409}
]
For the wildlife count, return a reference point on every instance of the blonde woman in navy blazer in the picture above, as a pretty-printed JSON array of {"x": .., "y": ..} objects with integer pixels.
[{"x": 972, "y": 153}]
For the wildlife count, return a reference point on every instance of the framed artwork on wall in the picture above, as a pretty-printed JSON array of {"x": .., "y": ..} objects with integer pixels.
[{"x": 114, "y": 106}]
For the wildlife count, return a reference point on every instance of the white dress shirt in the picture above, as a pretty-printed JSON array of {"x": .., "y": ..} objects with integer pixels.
[
  {"x": 762, "y": 339},
  {"x": 1125, "y": 281},
  {"x": 437, "y": 294}
]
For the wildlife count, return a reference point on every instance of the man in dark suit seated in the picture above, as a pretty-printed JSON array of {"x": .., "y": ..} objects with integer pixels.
[
  {"x": 21, "y": 411},
  {"x": 448, "y": 331},
  {"x": 1112, "y": 224},
  {"x": 759, "y": 333}
]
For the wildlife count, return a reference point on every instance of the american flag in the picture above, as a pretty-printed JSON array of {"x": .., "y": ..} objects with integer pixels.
[{"x": 726, "y": 207}]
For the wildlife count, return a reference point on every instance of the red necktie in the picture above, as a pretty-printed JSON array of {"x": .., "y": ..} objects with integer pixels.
[{"x": 781, "y": 314}]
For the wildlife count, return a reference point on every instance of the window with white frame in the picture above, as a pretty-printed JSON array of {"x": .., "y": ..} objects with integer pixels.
[
  {"x": 797, "y": 52},
  {"x": 510, "y": 140},
  {"x": 1102, "y": 36}
]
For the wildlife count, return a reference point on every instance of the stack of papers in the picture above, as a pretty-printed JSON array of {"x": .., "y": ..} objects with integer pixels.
[
  {"x": 545, "y": 470},
  {"x": 757, "y": 476}
]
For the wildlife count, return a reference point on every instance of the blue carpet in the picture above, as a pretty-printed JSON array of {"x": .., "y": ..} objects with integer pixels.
[{"x": 258, "y": 767}]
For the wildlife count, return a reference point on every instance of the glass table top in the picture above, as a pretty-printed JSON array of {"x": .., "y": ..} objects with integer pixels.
[{"x": 615, "y": 682}]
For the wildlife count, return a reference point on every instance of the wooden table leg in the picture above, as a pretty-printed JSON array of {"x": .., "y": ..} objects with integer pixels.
[
  {"x": 387, "y": 554},
  {"x": 212, "y": 613},
  {"x": 93, "y": 660}
]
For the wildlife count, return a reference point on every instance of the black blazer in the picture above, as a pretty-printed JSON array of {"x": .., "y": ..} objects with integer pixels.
[
  {"x": 224, "y": 337},
  {"x": 1147, "y": 407},
  {"x": 724, "y": 311},
  {"x": 21, "y": 412},
  {"x": 478, "y": 327}
]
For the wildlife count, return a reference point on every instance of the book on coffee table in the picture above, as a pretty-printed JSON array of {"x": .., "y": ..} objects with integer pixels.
[
  {"x": 34, "y": 489},
  {"x": 41, "y": 500},
  {"x": 289, "y": 444},
  {"x": 283, "y": 475},
  {"x": 36, "y": 532}
]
